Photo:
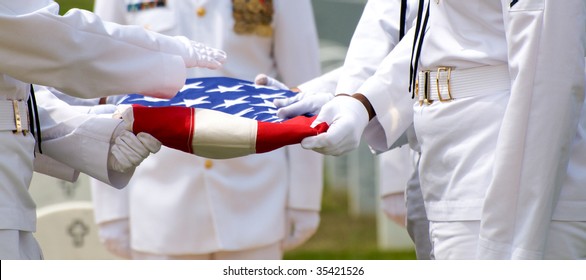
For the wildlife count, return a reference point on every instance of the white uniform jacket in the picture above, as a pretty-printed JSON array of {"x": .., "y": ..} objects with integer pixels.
[
  {"x": 78, "y": 54},
  {"x": 545, "y": 50},
  {"x": 542, "y": 43},
  {"x": 183, "y": 204}
]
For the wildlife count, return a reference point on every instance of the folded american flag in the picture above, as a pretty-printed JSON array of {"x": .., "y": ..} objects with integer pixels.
[{"x": 218, "y": 117}]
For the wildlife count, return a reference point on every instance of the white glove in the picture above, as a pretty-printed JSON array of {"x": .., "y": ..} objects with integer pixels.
[
  {"x": 394, "y": 207},
  {"x": 300, "y": 226},
  {"x": 264, "y": 80},
  {"x": 200, "y": 55},
  {"x": 115, "y": 235},
  {"x": 300, "y": 104},
  {"x": 347, "y": 118},
  {"x": 128, "y": 150}
]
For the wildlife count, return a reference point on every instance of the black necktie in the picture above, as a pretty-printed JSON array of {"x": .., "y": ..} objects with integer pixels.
[
  {"x": 33, "y": 116},
  {"x": 417, "y": 43}
]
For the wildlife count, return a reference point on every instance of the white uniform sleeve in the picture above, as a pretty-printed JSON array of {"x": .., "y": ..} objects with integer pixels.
[
  {"x": 85, "y": 57},
  {"x": 388, "y": 92},
  {"x": 546, "y": 49},
  {"x": 376, "y": 34},
  {"x": 80, "y": 141},
  {"x": 395, "y": 170},
  {"x": 324, "y": 83},
  {"x": 297, "y": 58},
  {"x": 46, "y": 165}
]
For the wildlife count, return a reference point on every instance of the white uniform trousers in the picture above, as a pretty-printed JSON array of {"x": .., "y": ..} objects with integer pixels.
[
  {"x": 417, "y": 222},
  {"x": 456, "y": 168},
  {"x": 459, "y": 240},
  {"x": 268, "y": 252},
  {"x": 19, "y": 245}
]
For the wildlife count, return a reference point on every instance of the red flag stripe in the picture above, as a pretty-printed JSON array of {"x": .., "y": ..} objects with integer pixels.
[
  {"x": 173, "y": 126},
  {"x": 271, "y": 136}
]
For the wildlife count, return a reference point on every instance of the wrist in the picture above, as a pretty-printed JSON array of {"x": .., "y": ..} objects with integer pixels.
[{"x": 365, "y": 102}]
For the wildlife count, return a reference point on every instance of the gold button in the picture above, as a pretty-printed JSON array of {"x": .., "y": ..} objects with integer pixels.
[
  {"x": 201, "y": 11},
  {"x": 208, "y": 164}
]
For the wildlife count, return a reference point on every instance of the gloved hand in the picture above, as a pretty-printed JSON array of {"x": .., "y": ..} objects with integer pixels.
[
  {"x": 394, "y": 207},
  {"x": 264, "y": 80},
  {"x": 115, "y": 235},
  {"x": 127, "y": 150},
  {"x": 300, "y": 226},
  {"x": 300, "y": 104},
  {"x": 304, "y": 103},
  {"x": 347, "y": 118},
  {"x": 200, "y": 55}
]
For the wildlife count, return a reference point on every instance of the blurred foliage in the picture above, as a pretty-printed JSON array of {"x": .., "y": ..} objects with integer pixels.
[
  {"x": 65, "y": 5},
  {"x": 343, "y": 237}
]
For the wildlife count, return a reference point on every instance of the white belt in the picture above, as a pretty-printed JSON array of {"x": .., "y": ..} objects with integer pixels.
[
  {"x": 447, "y": 83},
  {"x": 14, "y": 116}
]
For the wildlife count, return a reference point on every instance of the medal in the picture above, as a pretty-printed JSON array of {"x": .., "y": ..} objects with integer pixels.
[
  {"x": 253, "y": 17},
  {"x": 201, "y": 11},
  {"x": 263, "y": 30}
]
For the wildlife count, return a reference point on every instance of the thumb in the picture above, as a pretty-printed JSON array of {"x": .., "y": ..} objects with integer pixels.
[
  {"x": 263, "y": 79},
  {"x": 313, "y": 142},
  {"x": 294, "y": 110},
  {"x": 283, "y": 102}
]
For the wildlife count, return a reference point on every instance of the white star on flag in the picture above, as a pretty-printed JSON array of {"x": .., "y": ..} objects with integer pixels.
[
  {"x": 265, "y": 103},
  {"x": 224, "y": 89},
  {"x": 270, "y": 96},
  {"x": 192, "y": 102},
  {"x": 192, "y": 86},
  {"x": 243, "y": 112},
  {"x": 229, "y": 103},
  {"x": 259, "y": 86},
  {"x": 268, "y": 111}
]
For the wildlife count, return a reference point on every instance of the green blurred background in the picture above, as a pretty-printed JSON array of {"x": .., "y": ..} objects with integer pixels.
[{"x": 341, "y": 235}]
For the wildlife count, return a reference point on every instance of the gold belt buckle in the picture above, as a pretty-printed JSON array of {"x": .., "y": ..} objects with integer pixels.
[
  {"x": 426, "y": 86},
  {"x": 417, "y": 91},
  {"x": 17, "y": 119},
  {"x": 437, "y": 82}
]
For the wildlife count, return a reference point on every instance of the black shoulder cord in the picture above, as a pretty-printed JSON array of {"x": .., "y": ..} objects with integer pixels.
[
  {"x": 403, "y": 19},
  {"x": 417, "y": 43},
  {"x": 32, "y": 106}
]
